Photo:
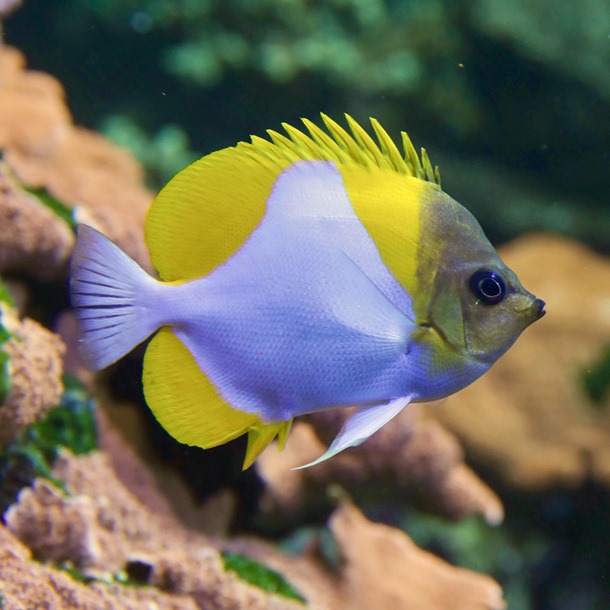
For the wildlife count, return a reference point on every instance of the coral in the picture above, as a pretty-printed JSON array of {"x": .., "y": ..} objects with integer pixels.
[
  {"x": 28, "y": 584},
  {"x": 109, "y": 512},
  {"x": 38, "y": 241},
  {"x": 99, "y": 181},
  {"x": 405, "y": 577},
  {"x": 11, "y": 546},
  {"x": 410, "y": 458},
  {"x": 380, "y": 567},
  {"x": 35, "y": 369},
  {"x": 54, "y": 526},
  {"x": 100, "y": 527},
  {"x": 530, "y": 419}
]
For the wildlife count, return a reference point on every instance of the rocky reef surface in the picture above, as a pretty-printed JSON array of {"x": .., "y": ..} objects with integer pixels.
[{"x": 89, "y": 522}]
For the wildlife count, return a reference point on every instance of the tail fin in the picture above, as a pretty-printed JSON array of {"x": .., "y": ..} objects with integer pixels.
[{"x": 114, "y": 299}]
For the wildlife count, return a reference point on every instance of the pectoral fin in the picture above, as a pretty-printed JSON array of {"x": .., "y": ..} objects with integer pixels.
[{"x": 365, "y": 422}]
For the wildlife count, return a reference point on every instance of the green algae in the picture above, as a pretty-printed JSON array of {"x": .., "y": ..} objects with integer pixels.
[
  {"x": 70, "y": 425},
  {"x": 59, "y": 208},
  {"x": 261, "y": 576},
  {"x": 5, "y": 295},
  {"x": 596, "y": 379},
  {"x": 306, "y": 537},
  {"x": 5, "y": 377},
  {"x": 164, "y": 152},
  {"x": 120, "y": 577},
  {"x": 5, "y": 335}
]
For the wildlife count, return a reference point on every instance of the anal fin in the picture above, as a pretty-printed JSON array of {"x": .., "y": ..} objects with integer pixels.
[
  {"x": 184, "y": 400},
  {"x": 260, "y": 437}
]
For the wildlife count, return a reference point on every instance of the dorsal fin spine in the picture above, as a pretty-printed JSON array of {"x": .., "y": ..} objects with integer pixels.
[
  {"x": 428, "y": 170},
  {"x": 367, "y": 144},
  {"x": 302, "y": 142},
  {"x": 343, "y": 147},
  {"x": 346, "y": 141},
  {"x": 323, "y": 140},
  {"x": 389, "y": 148}
]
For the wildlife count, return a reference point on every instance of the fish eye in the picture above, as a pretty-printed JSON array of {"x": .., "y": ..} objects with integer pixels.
[{"x": 488, "y": 286}]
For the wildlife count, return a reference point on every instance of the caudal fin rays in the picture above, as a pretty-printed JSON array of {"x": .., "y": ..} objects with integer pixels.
[{"x": 111, "y": 295}]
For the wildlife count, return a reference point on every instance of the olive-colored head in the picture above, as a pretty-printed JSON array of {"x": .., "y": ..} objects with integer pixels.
[{"x": 478, "y": 305}]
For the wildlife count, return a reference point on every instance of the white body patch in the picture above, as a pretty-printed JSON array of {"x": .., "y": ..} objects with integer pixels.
[{"x": 305, "y": 315}]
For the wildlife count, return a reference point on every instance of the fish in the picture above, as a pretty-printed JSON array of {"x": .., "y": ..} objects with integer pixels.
[{"x": 318, "y": 268}]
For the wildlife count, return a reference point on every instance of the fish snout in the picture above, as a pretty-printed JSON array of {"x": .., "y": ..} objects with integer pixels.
[
  {"x": 539, "y": 305},
  {"x": 527, "y": 306}
]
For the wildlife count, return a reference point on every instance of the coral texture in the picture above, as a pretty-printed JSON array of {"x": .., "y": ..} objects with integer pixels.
[
  {"x": 35, "y": 368},
  {"x": 410, "y": 458},
  {"x": 381, "y": 567},
  {"x": 44, "y": 149},
  {"x": 27, "y": 584},
  {"x": 102, "y": 527},
  {"x": 38, "y": 242},
  {"x": 405, "y": 577},
  {"x": 529, "y": 419}
]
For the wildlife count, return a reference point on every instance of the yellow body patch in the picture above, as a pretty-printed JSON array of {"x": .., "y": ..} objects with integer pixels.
[
  {"x": 389, "y": 206},
  {"x": 205, "y": 213}
]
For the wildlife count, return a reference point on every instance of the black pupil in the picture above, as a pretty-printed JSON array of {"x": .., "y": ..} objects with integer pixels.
[{"x": 488, "y": 286}]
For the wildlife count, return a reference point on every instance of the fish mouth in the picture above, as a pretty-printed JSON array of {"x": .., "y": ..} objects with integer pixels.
[{"x": 539, "y": 305}]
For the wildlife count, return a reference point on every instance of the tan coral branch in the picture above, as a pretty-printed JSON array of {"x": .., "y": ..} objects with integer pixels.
[
  {"x": 35, "y": 369},
  {"x": 383, "y": 568}
]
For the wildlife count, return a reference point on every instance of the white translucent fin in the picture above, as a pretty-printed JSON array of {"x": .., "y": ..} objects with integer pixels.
[
  {"x": 364, "y": 422},
  {"x": 113, "y": 298}
]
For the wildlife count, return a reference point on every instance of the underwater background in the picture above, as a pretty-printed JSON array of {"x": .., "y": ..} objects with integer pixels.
[{"x": 512, "y": 100}]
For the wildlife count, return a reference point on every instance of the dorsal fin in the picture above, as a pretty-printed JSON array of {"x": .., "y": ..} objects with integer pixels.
[
  {"x": 357, "y": 147},
  {"x": 208, "y": 210}
]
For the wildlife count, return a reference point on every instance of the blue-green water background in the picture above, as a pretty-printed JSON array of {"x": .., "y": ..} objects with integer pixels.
[{"x": 511, "y": 98}]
